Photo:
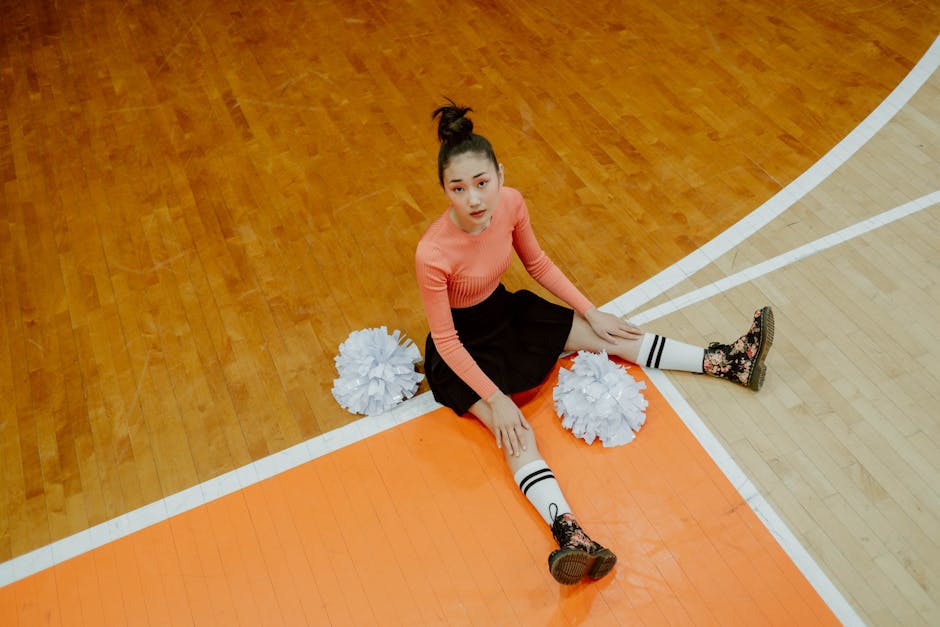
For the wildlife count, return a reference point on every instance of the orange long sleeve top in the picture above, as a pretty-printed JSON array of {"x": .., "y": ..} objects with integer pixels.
[{"x": 456, "y": 269}]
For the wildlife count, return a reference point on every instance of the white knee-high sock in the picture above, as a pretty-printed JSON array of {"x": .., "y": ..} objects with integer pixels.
[
  {"x": 659, "y": 352},
  {"x": 539, "y": 485}
]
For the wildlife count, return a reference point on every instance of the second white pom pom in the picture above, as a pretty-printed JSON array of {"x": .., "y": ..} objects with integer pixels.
[{"x": 598, "y": 399}]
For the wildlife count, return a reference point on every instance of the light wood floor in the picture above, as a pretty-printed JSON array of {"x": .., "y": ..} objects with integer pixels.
[
  {"x": 201, "y": 200},
  {"x": 844, "y": 439}
]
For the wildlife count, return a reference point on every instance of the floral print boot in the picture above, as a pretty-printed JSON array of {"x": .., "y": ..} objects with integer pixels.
[
  {"x": 577, "y": 555},
  {"x": 743, "y": 361}
]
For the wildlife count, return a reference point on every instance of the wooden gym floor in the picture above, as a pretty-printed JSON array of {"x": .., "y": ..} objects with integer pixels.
[{"x": 201, "y": 200}]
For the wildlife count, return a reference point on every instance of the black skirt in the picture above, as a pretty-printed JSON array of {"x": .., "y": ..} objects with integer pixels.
[{"x": 515, "y": 338}]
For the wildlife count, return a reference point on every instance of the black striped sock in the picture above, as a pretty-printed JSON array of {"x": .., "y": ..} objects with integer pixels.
[
  {"x": 654, "y": 353},
  {"x": 538, "y": 484}
]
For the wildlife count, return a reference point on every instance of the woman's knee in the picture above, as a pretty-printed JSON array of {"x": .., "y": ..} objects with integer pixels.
[
  {"x": 583, "y": 337},
  {"x": 527, "y": 438},
  {"x": 484, "y": 414}
]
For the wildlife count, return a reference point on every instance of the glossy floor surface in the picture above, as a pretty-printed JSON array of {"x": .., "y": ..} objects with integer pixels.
[
  {"x": 201, "y": 200},
  {"x": 418, "y": 526}
]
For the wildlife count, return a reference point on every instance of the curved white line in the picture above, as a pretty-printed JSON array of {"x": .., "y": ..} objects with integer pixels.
[
  {"x": 785, "y": 198},
  {"x": 45, "y": 557}
]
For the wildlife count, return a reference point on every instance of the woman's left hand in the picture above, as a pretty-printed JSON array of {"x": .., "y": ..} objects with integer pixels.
[{"x": 610, "y": 328}]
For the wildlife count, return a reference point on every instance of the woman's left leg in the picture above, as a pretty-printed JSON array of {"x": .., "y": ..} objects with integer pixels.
[
  {"x": 652, "y": 351},
  {"x": 741, "y": 361}
]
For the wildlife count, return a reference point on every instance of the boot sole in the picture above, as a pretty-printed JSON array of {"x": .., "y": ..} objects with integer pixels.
[
  {"x": 569, "y": 566},
  {"x": 604, "y": 561},
  {"x": 756, "y": 380}
]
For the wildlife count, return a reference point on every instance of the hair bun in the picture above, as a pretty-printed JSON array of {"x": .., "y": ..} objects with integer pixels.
[{"x": 453, "y": 126}]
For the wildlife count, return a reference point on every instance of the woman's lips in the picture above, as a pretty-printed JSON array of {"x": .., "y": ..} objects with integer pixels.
[{"x": 477, "y": 214}]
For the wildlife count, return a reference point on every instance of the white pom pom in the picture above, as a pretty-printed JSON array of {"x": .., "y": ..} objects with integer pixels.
[
  {"x": 376, "y": 371},
  {"x": 598, "y": 399}
]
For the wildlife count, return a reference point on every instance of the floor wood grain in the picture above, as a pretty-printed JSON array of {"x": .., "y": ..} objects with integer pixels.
[{"x": 200, "y": 201}]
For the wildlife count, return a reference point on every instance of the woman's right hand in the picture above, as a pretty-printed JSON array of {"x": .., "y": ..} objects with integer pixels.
[{"x": 508, "y": 423}]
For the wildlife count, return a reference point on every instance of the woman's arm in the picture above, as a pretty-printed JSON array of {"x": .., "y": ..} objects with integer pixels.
[
  {"x": 432, "y": 281},
  {"x": 543, "y": 269},
  {"x": 538, "y": 264}
]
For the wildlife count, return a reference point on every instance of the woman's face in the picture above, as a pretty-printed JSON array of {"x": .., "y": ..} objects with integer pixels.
[{"x": 472, "y": 182}]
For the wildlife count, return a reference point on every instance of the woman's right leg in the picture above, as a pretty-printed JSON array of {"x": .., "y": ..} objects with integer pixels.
[
  {"x": 577, "y": 556},
  {"x": 741, "y": 361}
]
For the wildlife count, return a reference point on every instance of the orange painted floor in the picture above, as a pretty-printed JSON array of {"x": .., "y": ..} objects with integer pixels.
[{"x": 423, "y": 524}]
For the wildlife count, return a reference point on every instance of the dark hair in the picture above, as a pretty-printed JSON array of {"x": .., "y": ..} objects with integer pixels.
[{"x": 455, "y": 132}]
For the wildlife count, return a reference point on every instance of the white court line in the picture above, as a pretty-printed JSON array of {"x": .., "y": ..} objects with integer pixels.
[
  {"x": 89, "y": 539},
  {"x": 817, "y": 578},
  {"x": 787, "y": 258},
  {"x": 131, "y": 522},
  {"x": 785, "y": 198}
]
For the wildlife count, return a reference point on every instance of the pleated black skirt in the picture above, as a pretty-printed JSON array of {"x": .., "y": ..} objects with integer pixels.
[{"x": 515, "y": 338}]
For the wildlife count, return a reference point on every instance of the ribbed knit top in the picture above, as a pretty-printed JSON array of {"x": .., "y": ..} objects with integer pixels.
[{"x": 456, "y": 269}]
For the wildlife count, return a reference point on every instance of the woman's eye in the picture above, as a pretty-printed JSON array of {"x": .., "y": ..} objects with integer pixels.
[{"x": 483, "y": 183}]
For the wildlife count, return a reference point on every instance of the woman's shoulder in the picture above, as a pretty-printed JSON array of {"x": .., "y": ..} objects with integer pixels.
[
  {"x": 511, "y": 194},
  {"x": 429, "y": 244},
  {"x": 511, "y": 199}
]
